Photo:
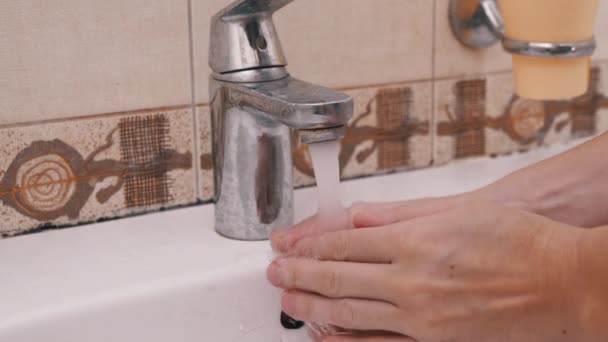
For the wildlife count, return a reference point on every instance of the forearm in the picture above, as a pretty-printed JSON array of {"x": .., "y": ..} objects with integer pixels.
[
  {"x": 571, "y": 187},
  {"x": 593, "y": 283}
]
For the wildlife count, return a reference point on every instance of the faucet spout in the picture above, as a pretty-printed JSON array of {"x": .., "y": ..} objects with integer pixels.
[
  {"x": 295, "y": 103},
  {"x": 252, "y": 133}
]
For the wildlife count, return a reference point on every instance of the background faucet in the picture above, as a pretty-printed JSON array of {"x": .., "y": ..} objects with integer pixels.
[{"x": 255, "y": 104}]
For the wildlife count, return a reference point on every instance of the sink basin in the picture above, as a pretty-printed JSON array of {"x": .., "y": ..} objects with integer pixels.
[
  {"x": 237, "y": 306},
  {"x": 162, "y": 277},
  {"x": 169, "y": 277}
]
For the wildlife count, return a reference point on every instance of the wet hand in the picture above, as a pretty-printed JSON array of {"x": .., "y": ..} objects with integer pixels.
[
  {"x": 362, "y": 215},
  {"x": 473, "y": 271}
]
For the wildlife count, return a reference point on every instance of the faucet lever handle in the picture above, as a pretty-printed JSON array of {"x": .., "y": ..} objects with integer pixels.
[
  {"x": 243, "y": 37},
  {"x": 252, "y": 7}
]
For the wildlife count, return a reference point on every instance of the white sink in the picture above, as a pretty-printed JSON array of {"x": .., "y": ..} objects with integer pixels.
[{"x": 169, "y": 277}]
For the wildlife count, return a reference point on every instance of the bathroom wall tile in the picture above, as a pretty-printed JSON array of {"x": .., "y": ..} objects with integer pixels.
[
  {"x": 452, "y": 59},
  {"x": 202, "y": 10},
  {"x": 601, "y": 118},
  {"x": 205, "y": 162},
  {"x": 483, "y": 116},
  {"x": 66, "y": 58},
  {"x": 601, "y": 32},
  {"x": 389, "y": 132},
  {"x": 65, "y": 62},
  {"x": 339, "y": 43},
  {"x": 81, "y": 170}
]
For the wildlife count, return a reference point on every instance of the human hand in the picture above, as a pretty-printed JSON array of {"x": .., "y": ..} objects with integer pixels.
[
  {"x": 474, "y": 272},
  {"x": 363, "y": 215}
]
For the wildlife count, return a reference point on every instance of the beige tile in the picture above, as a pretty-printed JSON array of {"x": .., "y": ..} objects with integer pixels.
[
  {"x": 452, "y": 59},
  {"x": 76, "y": 171},
  {"x": 339, "y": 43},
  {"x": 202, "y": 11},
  {"x": 205, "y": 162},
  {"x": 389, "y": 132},
  {"x": 601, "y": 32},
  {"x": 602, "y": 113},
  {"x": 64, "y": 58}
]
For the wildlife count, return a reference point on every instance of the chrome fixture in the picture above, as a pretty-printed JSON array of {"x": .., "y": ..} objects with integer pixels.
[
  {"x": 484, "y": 27},
  {"x": 255, "y": 105}
]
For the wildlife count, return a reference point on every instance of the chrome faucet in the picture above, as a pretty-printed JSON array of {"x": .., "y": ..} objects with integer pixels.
[{"x": 255, "y": 105}]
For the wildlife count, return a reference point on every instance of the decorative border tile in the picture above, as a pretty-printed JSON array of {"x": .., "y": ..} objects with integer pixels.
[
  {"x": 482, "y": 116},
  {"x": 77, "y": 171},
  {"x": 389, "y": 132},
  {"x": 601, "y": 119},
  {"x": 206, "y": 190}
]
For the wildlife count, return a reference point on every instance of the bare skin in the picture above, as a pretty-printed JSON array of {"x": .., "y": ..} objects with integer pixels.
[{"x": 505, "y": 263}]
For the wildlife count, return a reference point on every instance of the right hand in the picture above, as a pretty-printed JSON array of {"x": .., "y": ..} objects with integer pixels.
[{"x": 461, "y": 274}]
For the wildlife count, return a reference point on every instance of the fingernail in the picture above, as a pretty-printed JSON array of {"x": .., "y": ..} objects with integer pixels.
[
  {"x": 277, "y": 240},
  {"x": 273, "y": 274}
]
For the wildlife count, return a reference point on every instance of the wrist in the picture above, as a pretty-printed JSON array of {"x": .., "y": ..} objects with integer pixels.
[
  {"x": 592, "y": 291},
  {"x": 509, "y": 193},
  {"x": 563, "y": 198}
]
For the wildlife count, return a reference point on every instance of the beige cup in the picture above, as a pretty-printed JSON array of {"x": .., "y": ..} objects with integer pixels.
[{"x": 551, "y": 21}]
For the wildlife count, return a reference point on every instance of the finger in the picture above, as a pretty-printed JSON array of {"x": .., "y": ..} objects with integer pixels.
[
  {"x": 358, "y": 314},
  {"x": 320, "y": 333},
  {"x": 363, "y": 338},
  {"x": 283, "y": 239},
  {"x": 362, "y": 245},
  {"x": 333, "y": 279},
  {"x": 361, "y": 215},
  {"x": 380, "y": 214}
]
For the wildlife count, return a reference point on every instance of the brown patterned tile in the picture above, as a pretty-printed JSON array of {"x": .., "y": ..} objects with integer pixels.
[
  {"x": 482, "y": 116},
  {"x": 206, "y": 189},
  {"x": 76, "y": 171},
  {"x": 389, "y": 131}
]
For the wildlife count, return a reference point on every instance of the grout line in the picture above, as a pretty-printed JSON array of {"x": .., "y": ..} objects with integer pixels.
[
  {"x": 195, "y": 121},
  {"x": 412, "y": 81},
  {"x": 433, "y": 128},
  {"x": 94, "y": 116}
]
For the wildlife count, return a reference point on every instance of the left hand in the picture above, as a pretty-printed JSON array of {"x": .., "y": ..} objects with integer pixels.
[{"x": 475, "y": 272}]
